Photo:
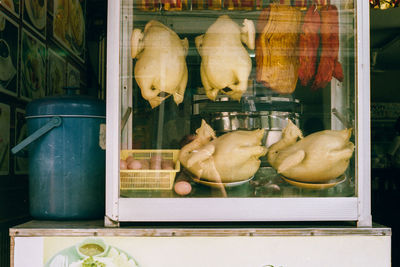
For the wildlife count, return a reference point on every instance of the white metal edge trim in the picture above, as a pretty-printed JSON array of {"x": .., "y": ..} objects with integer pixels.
[
  {"x": 363, "y": 115},
  {"x": 130, "y": 79},
  {"x": 113, "y": 110},
  {"x": 238, "y": 209},
  {"x": 125, "y": 70}
]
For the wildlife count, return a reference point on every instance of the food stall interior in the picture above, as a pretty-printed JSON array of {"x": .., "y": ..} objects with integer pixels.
[
  {"x": 242, "y": 75},
  {"x": 310, "y": 110}
]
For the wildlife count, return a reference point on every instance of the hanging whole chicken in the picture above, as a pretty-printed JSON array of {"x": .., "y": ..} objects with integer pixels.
[
  {"x": 317, "y": 158},
  {"x": 231, "y": 157},
  {"x": 160, "y": 70},
  {"x": 225, "y": 63}
]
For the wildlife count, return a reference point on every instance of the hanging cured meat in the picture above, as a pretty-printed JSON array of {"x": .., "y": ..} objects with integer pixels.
[
  {"x": 276, "y": 45},
  {"x": 329, "y": 65},
  {"x": 308, "y": 45}
]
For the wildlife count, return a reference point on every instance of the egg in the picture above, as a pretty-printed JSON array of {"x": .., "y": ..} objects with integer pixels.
[
  {"x": 155, "y": 162},
  {"x": 122, "y": 164},
  {"x": 129, "y": 159},
  {"x": 167, "y": 164},
  {"x": 145, "y": 164},
  {"x": 135, "y": 165},
  {"x": 182, "y": 188}
]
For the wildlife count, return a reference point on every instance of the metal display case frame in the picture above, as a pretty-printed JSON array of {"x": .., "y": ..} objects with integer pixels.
[{"x": 119, "y": 209}]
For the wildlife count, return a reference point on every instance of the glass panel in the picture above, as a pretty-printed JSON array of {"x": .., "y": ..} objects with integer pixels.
[{"x": 237, "y": 99}]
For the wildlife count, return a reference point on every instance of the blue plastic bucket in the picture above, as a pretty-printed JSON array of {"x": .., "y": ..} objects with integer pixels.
[{"x": 66, "y": 162}]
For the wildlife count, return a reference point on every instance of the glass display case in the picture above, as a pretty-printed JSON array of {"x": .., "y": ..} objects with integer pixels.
[{"x": 227, "y": 111}]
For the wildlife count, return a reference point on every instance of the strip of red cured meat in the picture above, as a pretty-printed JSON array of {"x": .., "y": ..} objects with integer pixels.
[
  {"x": 329, "y": 65},
  {"x": 308, "y": 45}
]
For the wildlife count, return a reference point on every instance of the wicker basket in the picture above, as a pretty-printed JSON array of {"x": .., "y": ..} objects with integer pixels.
[{"x": 149, "y": 179}]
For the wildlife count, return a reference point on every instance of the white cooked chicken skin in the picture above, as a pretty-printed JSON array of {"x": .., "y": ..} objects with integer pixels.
[
  {"x": 231, "y": 157},
  {"x": 318, "y": 157},
  {"x": 160, "y": 70},
  {"x": 225, "y": 61}
]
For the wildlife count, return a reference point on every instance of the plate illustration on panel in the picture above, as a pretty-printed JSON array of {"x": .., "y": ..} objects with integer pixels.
[
  {"x": 4, "y": 139},
  {"x": 73, "y": 76},
  {"x": 11, "y": 5},
  {"x": 8, "y": 55},
  {"x": 56, "y": 73},
  {"x": 91, "y": 252},
  {"x": 34, "y": 15},
  {"x": 77, "y": 26},
  {"x": 21, "y": 161},
  {"x": 33, "y": 74},
  {"x": 69, "y": 25}
]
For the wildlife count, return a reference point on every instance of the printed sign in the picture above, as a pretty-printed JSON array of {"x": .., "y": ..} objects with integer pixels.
[
  {"x": 201, "y": 251},
  {"x": 9, "y": 50},
  {"x": 56, "y": 73},
  {"x": 11, "y": 5},
  {"x": 33, "y": 65},
  {"x": 69, "y": 25},
  {"x": 4, "y": 139},
  {"x": 34, "y": 15}
]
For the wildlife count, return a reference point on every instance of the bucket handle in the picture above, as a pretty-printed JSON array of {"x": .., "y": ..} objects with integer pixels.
[{"x": 54, "y": 122}]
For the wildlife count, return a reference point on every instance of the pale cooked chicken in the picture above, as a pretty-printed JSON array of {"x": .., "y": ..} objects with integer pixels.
[
  {"x": 318, "y": 157},
  {"x": 225, "y": 63},
  {"x": 160, "y": 70},
  {"x": 231, "y": 157}
]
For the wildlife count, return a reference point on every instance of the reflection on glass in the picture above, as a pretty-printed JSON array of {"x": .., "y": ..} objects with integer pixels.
[{"x": 267, "y": 109}]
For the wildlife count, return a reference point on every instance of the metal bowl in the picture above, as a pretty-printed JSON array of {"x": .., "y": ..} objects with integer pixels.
[{"x": 272, "y": 121}]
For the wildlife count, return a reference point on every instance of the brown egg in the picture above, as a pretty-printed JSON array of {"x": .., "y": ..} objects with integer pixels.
[
  {"x": 135, "y": 165},
  {"x": 155, "y": 162},
  {"x": 145, "y": 164},
  {"x": 122, "y": 164},
  {"x": 182, "y": 188},
  {"x": 129, "y": 159},
  {"x": 167, "y": 164}
]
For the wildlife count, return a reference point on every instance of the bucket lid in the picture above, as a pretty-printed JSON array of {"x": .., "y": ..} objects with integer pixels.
[{"x": 66, "y": 105}]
